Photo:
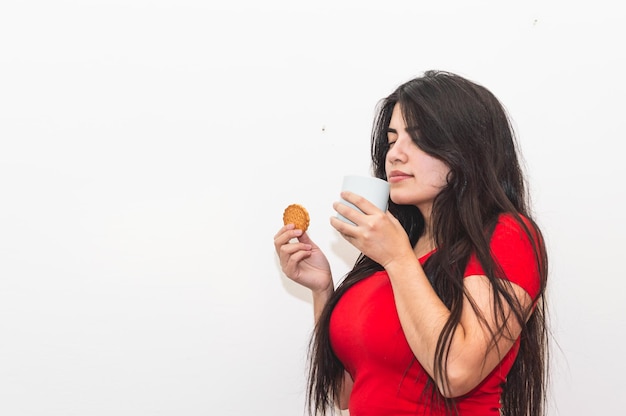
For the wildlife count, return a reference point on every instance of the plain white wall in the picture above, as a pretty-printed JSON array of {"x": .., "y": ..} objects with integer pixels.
[{"x": 148, "y": 149}]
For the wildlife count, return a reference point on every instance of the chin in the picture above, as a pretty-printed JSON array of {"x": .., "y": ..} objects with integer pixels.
[{"x": 401, "y": 199}]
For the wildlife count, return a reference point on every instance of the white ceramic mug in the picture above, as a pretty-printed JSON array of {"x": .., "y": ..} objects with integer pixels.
[{"x": 373, "y": 189}]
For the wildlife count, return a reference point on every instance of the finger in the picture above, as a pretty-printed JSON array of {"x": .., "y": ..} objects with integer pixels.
[
  {"x": 290, "y": 264},
  {"x": 291, "y": 249},
  {"x": 304, "y": 238},
  {"x": 350, "y": 213},
  {"x": 360, "y": 202},
  {"x": 294, "y": 260},
  {"x": 286, "y": 236},
  {"x": 283, "y": 229},
  {"x": 345, "y": 229}
]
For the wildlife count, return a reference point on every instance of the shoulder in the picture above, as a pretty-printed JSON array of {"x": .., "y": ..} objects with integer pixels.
[
  {"x": 514, "y": 250},
  {"x": 510, "y": 230},
  {"x": 508, "y": 224}
]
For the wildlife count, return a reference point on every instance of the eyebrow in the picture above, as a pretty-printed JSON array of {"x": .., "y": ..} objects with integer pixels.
[{"x": 408, "y": 129}]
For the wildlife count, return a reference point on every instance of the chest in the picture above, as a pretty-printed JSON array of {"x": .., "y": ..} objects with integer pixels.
[{"x": 365, "y": 329}]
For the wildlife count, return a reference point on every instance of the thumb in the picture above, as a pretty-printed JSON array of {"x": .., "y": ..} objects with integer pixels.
[
  {"x": 392, "y": 218},
  {"x": 304, "y": 238}
]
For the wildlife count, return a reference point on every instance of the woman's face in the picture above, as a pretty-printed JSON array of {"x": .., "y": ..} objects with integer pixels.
[{"x": 415, "y": 178}]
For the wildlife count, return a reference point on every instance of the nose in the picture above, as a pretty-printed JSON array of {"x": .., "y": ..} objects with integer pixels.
[{"x": 397, "y": 152}]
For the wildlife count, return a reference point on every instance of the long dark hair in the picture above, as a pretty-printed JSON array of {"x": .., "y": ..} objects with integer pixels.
[{"x": 464, "y": 125}]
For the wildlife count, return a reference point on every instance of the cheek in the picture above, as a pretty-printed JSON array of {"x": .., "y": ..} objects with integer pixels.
[
  {"x": 437, "y": 172},
  {"x": 388, "y": 167},
  {"x": 443, "y": 171}
]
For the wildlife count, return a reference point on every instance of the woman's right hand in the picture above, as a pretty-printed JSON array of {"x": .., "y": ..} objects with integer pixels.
[{"x": 302, "y": 261}]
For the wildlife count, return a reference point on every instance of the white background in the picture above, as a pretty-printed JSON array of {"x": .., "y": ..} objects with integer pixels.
[{"x": 148, "y": 149}]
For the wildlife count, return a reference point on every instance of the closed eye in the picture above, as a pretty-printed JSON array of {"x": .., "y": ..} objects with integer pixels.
[{"x": 392, "y": 136}]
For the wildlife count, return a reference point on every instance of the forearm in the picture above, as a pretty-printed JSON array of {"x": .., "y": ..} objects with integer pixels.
[
  {"x": 422, "y": 313},
  {"x": 423, "y": 316},
  {"x": 473, "y": 350},
  {"x": 320, "y": 298},
  {"x": 346, "y": 389}
]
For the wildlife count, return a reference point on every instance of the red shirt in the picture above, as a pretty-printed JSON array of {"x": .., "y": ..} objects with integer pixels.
[{"x": 367, "y": 337}]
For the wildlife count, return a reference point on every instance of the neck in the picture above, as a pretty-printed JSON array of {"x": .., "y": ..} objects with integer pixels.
[
  {"x": 426, "y": 242},
  {"x": 424, "y": 245}
]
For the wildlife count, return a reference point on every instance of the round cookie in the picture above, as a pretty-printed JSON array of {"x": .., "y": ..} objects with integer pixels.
[{"x": 297, "y": 215}]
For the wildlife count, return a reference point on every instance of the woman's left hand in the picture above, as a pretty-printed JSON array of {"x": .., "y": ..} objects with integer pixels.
[{"x": 377, "y": 234}]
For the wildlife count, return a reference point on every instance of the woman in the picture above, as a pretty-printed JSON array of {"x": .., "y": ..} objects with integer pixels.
[{"x": 443, "y": 312}]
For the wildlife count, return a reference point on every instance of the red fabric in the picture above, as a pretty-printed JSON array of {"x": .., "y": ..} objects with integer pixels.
[{"x": 367, "y": 337}]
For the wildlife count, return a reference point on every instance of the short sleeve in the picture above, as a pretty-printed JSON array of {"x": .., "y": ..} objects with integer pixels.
[{"x": 513, "y": 251}]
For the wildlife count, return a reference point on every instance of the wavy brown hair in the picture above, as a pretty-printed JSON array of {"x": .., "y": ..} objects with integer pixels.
[{"x": 464, "y": 125}]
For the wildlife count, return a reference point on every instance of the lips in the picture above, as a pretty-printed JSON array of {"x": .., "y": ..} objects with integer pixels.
[{"x": 398, "y": 176}]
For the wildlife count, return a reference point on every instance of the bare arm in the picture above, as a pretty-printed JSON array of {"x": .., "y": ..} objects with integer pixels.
[
  {"x": 346, "y": 389},
  {"x": 304, "y": 263},
  {"x": 320, "y": 298},
  {"x": 473, "y": 352},
  {"x": 472, "y": 355}
]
